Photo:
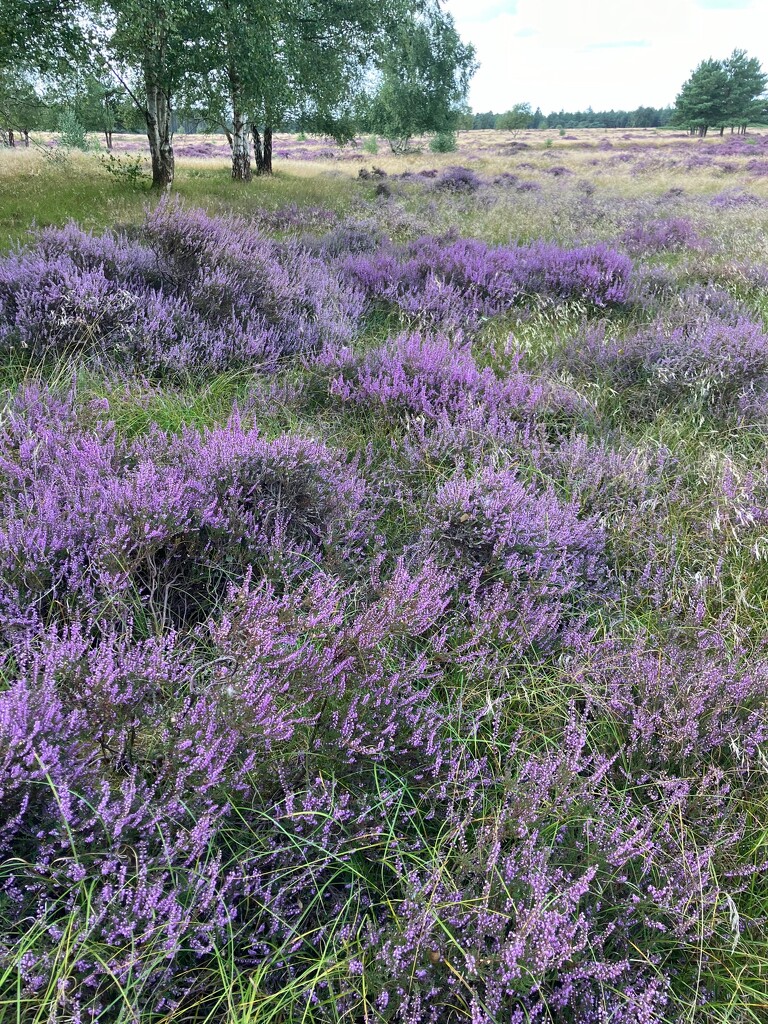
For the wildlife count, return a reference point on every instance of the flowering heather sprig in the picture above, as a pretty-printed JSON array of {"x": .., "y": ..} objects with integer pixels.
[{"x": 682, "y": 710}]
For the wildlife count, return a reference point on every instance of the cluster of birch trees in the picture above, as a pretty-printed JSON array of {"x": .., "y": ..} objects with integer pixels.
[{"x": 244, "y": 67}]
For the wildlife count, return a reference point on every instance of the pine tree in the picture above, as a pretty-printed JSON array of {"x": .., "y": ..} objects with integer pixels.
[
  {"x": 721, "y": 93},
  {"x": 747, "y": 82},
  {"x": 703, "y": 100}
]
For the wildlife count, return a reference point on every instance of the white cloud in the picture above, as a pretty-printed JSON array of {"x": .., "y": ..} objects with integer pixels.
[{"x": 571, "y": 54}]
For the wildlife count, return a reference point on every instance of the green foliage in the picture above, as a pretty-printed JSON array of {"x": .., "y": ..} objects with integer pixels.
[
  {"x": 443, "y": 142},
  {"x": 371, "y": 144},
  {"x": 129, "y": 170},
  {"x": 264, "y": 66},
  {"x": 747, "y": 82},
  {"x": 519, "y": 117},
  {"x": 44, "y": 36},
  {"x": 71, "y": 132},
  {"x": 103, "y": 105},
  {"x": 21, "y": 107},
  {"x": 424, "y": 76},
  {"x": 642, "y": 117},
  {"x": 721, "y": 93}
]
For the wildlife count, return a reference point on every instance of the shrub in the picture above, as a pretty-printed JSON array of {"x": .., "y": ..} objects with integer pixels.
[
  {"x": 129, "y": 170},
  {"x": 457, "y": 179},
  {"x": 436, "y": 382},
  {"x": 443, "y": 142},
  {"x": 187, "y": 292},
  {"x": 308, "y": 756},
  {"x": 672, "y": 233},
  {"x": 168, "y": 523},
  {"x": 713, "y": 358},
  {"x": 456, "y": 282},
  {"x": 71, "y": 132}
]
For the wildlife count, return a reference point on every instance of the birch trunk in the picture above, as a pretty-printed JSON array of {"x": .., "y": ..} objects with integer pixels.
[
  {"x": 241, "y": 150},
  {"x": 158, "y": 117},
  {"x": 262, "y": 149}
]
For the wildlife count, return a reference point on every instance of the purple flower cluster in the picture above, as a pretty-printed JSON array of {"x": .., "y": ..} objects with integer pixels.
[
  {"x": 457, "y": 179},
  {"x": 713, "y": 358},
  {"x": 668, "y": 234},
  {"x": 97, "y": 525},
  {"x": 733, "y": 199},
  {"x": 186, "y": 291},
  {"x": 455, "y": 282},
  {"x": 435, "y": 384}
]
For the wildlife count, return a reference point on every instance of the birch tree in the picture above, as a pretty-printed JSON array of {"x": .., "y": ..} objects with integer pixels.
[
  {"x": 297, "y": 61},
  {"x": 153, "y": 46}
]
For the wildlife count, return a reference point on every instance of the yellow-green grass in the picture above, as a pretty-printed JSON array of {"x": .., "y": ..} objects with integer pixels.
[{"x": 38, "y": 189}]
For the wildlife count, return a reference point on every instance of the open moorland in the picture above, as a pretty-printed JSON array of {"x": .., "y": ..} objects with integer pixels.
[{"x": 384, "y": 584}]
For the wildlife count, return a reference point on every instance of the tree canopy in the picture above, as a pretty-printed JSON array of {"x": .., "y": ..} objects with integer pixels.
[
  {"x": 722, "y": 93},
  {"x": 423, "y": 76}
]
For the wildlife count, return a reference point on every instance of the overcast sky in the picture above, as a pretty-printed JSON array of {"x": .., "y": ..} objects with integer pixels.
[{"x": 571, "y": 54}]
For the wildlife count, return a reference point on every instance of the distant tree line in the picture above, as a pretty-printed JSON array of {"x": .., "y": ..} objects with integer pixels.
[
  {"x": 723, "y": 94},
  {"x": 522, "y": 116},
  {"x": 719, "y": 94}
]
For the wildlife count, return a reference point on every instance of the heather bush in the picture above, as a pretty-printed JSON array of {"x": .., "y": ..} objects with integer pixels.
[
  {"x": 455, "y": 282},
  {"x": 495, "y": 526},
  {"x": 434, "y": 382},
  {"x": 669, "y": 234},
  {"x": 348, "y": 238},
  {"x": 682, "y": 710},
  {"x": 524, "y": 566},
  {"x": 733, "y": 199},
  {"x": 168, "y": 522},
  {"x": 186, "y": 292},
  {"x": 457, "y": 179},
  {"x": 139, "y": 754},
  {"x": 699, "y": 358}
]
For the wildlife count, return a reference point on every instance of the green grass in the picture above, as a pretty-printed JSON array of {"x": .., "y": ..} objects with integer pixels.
[{"x": 35, "y": 193}]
